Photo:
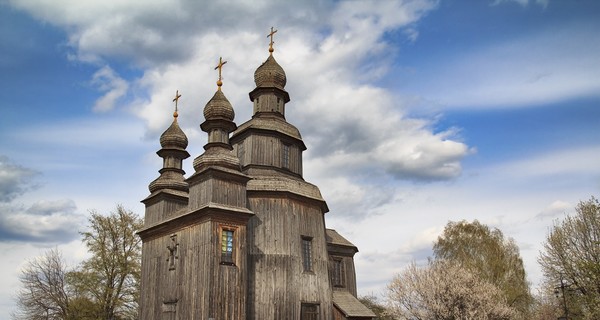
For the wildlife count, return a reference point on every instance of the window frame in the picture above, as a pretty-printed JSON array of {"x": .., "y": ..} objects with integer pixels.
[
  {"x": 227, "y": 259},
  {"x": 338, "y": 274},
  {"x": 307, "y": 253},
  {"x": 285, "y": 155},
  {"x": 306, "y": 314}
]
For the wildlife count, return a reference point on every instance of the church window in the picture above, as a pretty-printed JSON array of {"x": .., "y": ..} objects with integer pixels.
[
  {"x": 309, "y": 311},
  {"x": 227, "y": 246},
  {"x": 241, "y": 151},
  {"x": 307, "y": 254},
  {"x": 339, "y": 273},
  {"x": 285, "y": 156},
  {"x": 169, "y": 309}
]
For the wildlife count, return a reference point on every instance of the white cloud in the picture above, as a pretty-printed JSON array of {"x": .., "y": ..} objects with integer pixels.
[
  {"x": 361, "y": 140},
  {"x": 524, "y": 3},
  {"x": 555, "y": 209},
  {"x": 14, "y": 179},
  {"x": 575, "y": 162},
  {"x": 328, "y": 64},
  {"x": 113, "y": 86},
  {"x": 531, "y": 70},
  {"x": 45, "y": 222}
]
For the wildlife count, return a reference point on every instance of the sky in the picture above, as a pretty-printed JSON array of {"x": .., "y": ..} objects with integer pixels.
[{"x": 415, "y": 113}]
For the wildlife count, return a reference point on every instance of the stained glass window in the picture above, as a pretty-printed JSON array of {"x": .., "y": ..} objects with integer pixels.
[{"x": 227, "y": 246}]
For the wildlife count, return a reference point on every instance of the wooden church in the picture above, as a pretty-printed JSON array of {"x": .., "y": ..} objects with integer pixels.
[{"x": 244, "y": 236}]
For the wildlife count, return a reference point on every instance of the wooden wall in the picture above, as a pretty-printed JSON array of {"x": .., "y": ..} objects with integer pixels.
[
  {"x": 199, "y": 287},
  {"x": 277, "y": 281},
  {"x": 267, "y": 150},
  {"x": 162, "y": 206}
]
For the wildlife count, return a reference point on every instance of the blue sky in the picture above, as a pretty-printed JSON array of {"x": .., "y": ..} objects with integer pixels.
[{"x": 414, "y": 113}]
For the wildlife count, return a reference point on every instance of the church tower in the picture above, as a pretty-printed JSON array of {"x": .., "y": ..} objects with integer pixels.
[
  {"x": 244, "y": 236},
  {"x": 287, "y": 249},
  {"x": 204, "y": 273}
]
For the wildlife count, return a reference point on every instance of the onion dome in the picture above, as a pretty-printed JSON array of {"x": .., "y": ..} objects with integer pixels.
[
  {"x": 219, "y": 108},
  {"x": 270, "y": 74},
  {"x": 173, "y": 137}
]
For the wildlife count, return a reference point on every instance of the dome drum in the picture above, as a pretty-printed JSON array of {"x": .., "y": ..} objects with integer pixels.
[{"x": 258, "y": 91}]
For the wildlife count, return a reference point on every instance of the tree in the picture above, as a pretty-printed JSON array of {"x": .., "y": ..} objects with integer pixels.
[
  {"x": 572, "y": 253},
  {"x": 486, "y": 253},
  {"x": 103, "y": 287},
  {"x": 546, "y": 306},
  {"x": 45, "y": 293},
  {"x": 110, "y": 277},
  {"x": 443, "y": 290},
  {"x": 379, "y": 309}
]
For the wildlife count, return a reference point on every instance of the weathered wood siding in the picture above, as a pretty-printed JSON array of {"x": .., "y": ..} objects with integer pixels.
[
  {"x": 349, "y": 272},
  {"x": 199, "y": 287},
  {"x": 277, "y": 281},
  {"x": 338, "y": 315},
  {"x": 267, "y": 150},
  {"x": 162, "y": 207},
  {"x": 217, "y": 189}
]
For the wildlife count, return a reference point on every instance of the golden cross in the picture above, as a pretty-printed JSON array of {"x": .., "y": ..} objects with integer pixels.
[
  {"x": 220, "y": 67},
  {"x": 271, "y": 34},
  {"x": 176, "y": 99}
]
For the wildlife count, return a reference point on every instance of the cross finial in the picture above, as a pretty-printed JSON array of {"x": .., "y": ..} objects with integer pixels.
[
  {"x": 176, "y": 99},
  {"x": 220, "y": 67},
  {"x": 271, "y": 34}
]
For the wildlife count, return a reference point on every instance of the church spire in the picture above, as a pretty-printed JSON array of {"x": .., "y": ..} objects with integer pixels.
[
  {"x": 219, "y": 115},
  {"x": 220, "y": 67},
  {"x": 269, "y": 96},
  {"x": 176, "y": 99},
  {"x": 173, "y": 144},
  {"x": 271, "y": 34}
]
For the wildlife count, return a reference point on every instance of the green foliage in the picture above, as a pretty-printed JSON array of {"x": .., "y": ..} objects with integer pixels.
[
  {"x": 105, "y": 286},
  {"x": 378, "y": 308},
  {"x": 546, "y": 306},
  {"x": 572, "y": 251},
  {"x": 486, "y": 253},
  {"x": 111, "y": 275}
]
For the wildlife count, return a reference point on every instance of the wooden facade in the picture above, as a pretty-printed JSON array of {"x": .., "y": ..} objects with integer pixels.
[{"x": 243, "y": 237}]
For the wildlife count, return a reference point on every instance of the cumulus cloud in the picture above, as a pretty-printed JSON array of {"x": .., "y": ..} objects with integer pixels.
[
  {"x": 555, "y": 209},
  {"x": 331, "y": 52},
  {"x": 14, "y": 179},
  {"x": 45, "y": 222},
  {"x": 113, "y": 86},
  {"x": 524, "y": 3}
]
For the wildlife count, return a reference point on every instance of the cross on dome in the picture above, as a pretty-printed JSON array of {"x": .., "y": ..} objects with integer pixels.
[
  {"x": 220, "y": 67},
  {"x": 176, "y": 99},
  {"x": 271, "y": 34}
]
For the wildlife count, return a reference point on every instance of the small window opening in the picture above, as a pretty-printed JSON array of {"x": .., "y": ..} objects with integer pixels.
[
  {"x": 285, "y": 156},
  {"x": 227, "y": 246},
  {"x": 307, "y": 254},
  {"x": 309, "y": 311}
]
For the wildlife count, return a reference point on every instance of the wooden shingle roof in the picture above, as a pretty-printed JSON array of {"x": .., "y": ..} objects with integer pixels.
[
  {"x": 350, "y": 306},
  {"x": 336, "y": 239}
]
